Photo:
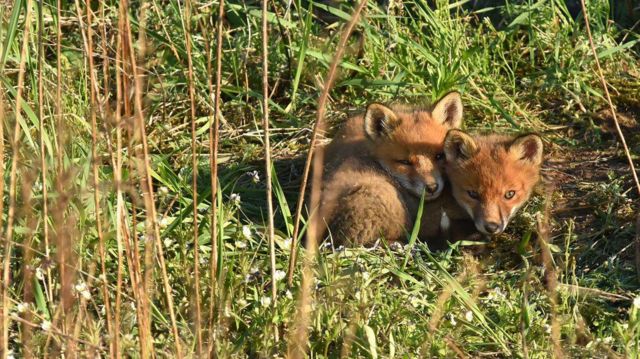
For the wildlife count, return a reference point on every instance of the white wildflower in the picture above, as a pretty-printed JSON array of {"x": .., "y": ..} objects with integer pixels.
[
  {"x": 287, "y": 243},
  {"x": 265, "y": 301},
  {"x": 636, "y": 302},
  {"x": 607, "y": 340},
  {"x": 39, "y": 273},
  {"x": 46, "y": 325},
  {"x": 288, "y": 294},
  {"x": 246, "y": 231},
  {"x": 280, "y": 275},
  {"x": 163, "y": 190},
  {"x": 235, "y": 198},
  {"x": 365, "y": 275},
  {"x": 396, "y": 247},
  {"x": 453, "y": 320},
  {"x": 22, "y": 307},
  {"x": 241, "y": 244},
  {"x": 255, "y": 176},
  {"x": 164, "y": 222},
  {"x": 547, "y": 328},
  {"x": 468, "y": 316},
  {"x": 82, "y": 289}
]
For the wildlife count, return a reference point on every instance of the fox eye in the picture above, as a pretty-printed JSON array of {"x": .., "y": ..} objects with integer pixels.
[
  {"x": 439, "y": 156},
  {"x": 404, "y": 162},
  {"x": 473, "y": 194},
  {"x": 509, "y": 194}
]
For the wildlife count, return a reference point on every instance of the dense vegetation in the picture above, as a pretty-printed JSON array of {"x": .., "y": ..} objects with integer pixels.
[{"x": 561, "y": 281}]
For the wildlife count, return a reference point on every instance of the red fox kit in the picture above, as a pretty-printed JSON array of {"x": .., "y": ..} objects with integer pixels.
[
  {"x": 380, "y": 163},
  {"x": 490, "y": 176}
]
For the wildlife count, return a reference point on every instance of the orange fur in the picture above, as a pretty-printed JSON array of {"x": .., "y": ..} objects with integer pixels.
[{"x": 490, "y": 176}]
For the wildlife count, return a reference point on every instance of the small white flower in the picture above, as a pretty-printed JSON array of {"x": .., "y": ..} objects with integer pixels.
[
  {"x": 39, "y": 273},
  {"x": 168, "y": 242},
  {"x": 82, "y": 289},
  {"x": 365, "y": 275},
  {"x": 468, "y": 316},
  {"x": 81, "y": 286},
  {"x": 326, "y": 245},
  {"x": 164, "y": 222},
  {"x": 280, "y": 275},
  {"x": 636, "y": 302},
  {"x": 241, "y": 244},
  {"x": 396, "y": 247},
  {"x": 246, "y": 231},
  {"x": 86, "y": 294},
  {"x": 255, "y": 176},
  {"x": 288, "y": 294},
  {"x": 453, "y": 320},
  {"x": 235, "y": 198},
  {"x": 265, "y": 301},
  {"x": 547, "y": 328},
  {"x": 22, "y": 307},
  {"x": 46, "y": 325},
  {"x": 607, "y": 340},
  {"x": 163, "y": 190},
  {"x": 287, "y": 243},
  {"x": 625, "y": 325}
]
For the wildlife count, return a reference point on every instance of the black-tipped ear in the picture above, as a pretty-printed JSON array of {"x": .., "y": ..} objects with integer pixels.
[
  {"x": 379, "y": 121},
  {"x": 459, "y": 146},
  {"x": 527, "y": 148},
  {"x": 448, "y": 110}
]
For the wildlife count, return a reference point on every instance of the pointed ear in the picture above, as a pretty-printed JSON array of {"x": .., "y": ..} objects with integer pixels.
[
  {"x": 459, "y": 146},
  {"x": 379, "y": 121},
  {"x": 527, "y": 148},
  {"x": 448, "y": 110}
]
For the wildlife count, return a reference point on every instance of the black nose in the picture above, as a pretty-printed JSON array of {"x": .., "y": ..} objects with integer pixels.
[
  {"x": 491, "y": 227},
  {"x": 432, "y": 188}
]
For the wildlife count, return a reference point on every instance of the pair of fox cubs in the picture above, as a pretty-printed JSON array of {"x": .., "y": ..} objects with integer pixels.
[{"x": 380, "y": 163}]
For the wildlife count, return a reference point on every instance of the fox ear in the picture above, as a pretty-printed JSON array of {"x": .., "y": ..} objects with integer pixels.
[
  {"x": 448, "y": 110},
  {"x": 379, "y": 121},
  {"x": 459, "y": 145},
  {"x": 527, "y": 148}
]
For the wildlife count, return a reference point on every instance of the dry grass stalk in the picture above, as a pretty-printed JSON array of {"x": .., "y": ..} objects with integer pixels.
[
  {"x": 144, "y": 168},
  {"x": 298, "y": 342},
  {"x": 194, "y": 175},
  {"x": 605, "y": 87},
  {"x": 214, "y": 126},
  {"x": 267, "y": 156},
  {"x": 317, "y": 129},
  {"x": 2, "y": 120},
  {"x": 213, "y": 164},
  {"x": 93, "y": 90},
  {"x": 15, "y": 148},
  {"x": 43, "y": 162},
  {"x": 122, "y": 234},
  {"x": 27, "y": 263},
  {"x": 551, "y": 278}
]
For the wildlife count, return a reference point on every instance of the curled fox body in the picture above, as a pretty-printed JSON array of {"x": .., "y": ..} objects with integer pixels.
[
  {"x": 379, "y": 165},
  {"x": 490, "y": 177}
]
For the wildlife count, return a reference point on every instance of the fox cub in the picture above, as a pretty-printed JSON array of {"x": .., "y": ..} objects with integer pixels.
[
  {"x": 378, "y": 166},
  {"x": 490, "y": 178}
]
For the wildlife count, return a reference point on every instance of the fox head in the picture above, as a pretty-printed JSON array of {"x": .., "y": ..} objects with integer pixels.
[
  {"x": 409, "y": 143},
  {"x": 492, "y": 176}
]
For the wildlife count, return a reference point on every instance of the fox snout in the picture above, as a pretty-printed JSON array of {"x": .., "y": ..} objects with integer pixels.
[
  {"x": 432, "y": 186},
  {"x": 491, "y": 219}
]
